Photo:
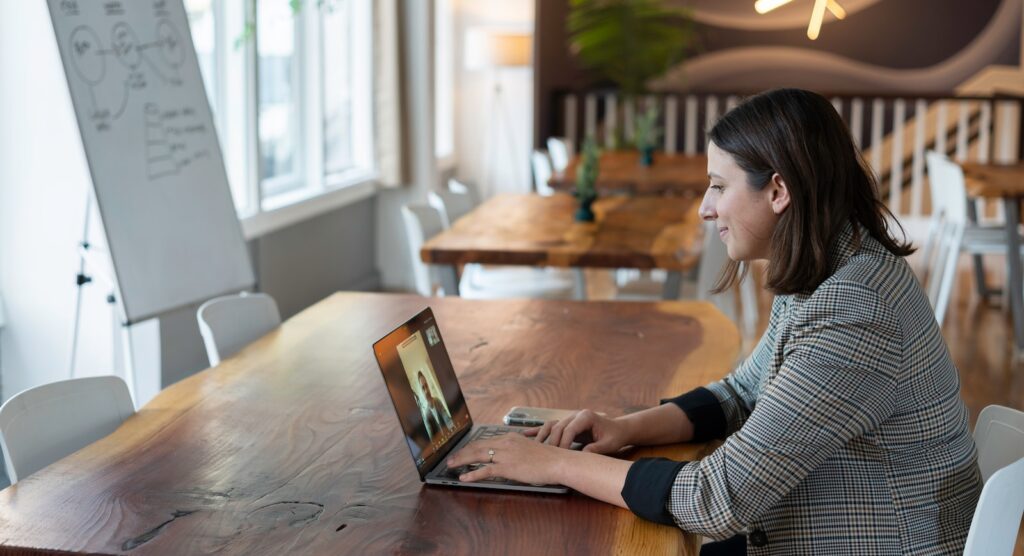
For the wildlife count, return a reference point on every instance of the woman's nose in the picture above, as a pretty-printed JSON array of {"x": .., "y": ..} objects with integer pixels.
[{"x": 707, "y": 209}]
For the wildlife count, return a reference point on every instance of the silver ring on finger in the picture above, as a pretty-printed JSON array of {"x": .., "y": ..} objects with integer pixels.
[{"x": 490, "y": 456}]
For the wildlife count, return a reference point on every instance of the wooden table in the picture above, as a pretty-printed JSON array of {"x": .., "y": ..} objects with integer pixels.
[
  {"x": 1005, "y": 181},
  {"x": 527, "y": 229},
  {"x": 292, "y": 446},
  {"x": 621, "y": 172}
]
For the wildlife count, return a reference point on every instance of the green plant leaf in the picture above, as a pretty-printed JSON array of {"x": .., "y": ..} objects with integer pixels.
[{"x": 629, "y": 41}]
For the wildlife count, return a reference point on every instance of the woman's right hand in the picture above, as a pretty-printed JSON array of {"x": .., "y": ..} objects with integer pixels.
[{"x": 608, "y": 435}]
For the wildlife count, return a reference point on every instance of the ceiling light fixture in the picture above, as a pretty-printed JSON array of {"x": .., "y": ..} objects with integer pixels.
[{"x": 817, "y": 13}]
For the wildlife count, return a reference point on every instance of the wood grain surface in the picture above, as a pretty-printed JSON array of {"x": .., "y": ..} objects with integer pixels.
[
  {"x": 994, "y": 180},
  {"x": 292, "y": 446},
  {"x": 620, "y": 172},
  {"x": 527, "y": 229}
]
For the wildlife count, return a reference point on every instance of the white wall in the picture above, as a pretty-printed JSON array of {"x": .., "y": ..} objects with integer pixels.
[
  {"x": 393, "y": 254},
  {"x": 43, "y": 187},
  {"x": 478, "y": 128}
]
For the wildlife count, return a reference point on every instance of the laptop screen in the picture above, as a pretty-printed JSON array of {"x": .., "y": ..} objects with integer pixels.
[{"x": 422, "y": 384}]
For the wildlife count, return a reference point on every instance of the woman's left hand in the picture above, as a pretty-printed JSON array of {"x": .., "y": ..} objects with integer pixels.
[{"x": 515, "y": 457}]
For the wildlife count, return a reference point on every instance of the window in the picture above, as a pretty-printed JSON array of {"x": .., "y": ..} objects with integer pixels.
[
  {"x": 347, "y": 126},
  {"x": 290, "y": 83},
  {"x": 444, "y": 80},
  {"x": 278, "y": 86}
]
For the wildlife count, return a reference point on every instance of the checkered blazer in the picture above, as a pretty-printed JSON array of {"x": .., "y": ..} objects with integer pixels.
[{"x": 845, "y": 429}]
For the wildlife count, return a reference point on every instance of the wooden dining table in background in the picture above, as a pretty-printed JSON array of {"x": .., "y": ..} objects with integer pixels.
[
  {"x": 1006, "y": 182},
  {"x": 675, "y": 174},
  {"x": 644, "y": 232},
  {"x": 293, "y": 447}
]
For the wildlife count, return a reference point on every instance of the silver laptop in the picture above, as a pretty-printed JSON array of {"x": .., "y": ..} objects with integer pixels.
[{"x": 431, "y": 408}]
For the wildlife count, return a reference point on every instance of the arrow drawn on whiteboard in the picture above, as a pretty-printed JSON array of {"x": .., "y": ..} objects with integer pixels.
[{"x": 124, "y": 102}]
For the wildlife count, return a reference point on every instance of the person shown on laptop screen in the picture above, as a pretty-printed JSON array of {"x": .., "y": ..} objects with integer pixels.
[
  {"x": 422, "y": 385},
  {"x": 435, "y": 415}
]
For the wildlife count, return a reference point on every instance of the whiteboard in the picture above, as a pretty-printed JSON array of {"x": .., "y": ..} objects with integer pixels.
[{"x": 156, "y": 165}]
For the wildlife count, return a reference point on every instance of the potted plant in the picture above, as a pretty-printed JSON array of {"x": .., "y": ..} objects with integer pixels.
[
  {"x": 645, "y": 134},
  {"x": 629, "y": 42},
  {"x": 586, "y": 179}
]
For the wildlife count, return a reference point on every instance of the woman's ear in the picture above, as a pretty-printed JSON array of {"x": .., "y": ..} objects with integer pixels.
[{"x": 778, "y": 194}]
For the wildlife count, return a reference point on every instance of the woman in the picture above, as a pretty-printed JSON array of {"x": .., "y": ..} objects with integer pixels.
[{"x": 844, "y": 430}]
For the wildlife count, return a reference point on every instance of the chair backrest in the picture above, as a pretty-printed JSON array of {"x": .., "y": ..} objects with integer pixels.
[
  {"x": 465, "y": 190},
  {"x": 43, "y": 424},
  {"x": 541, "y": 172},
  {"x": 422, "y": 222},
  {"x": 434, "y": 199},
  {"x": 560, "y": 149},
  {"x": 999, "y": 436},
  {"x": 950, "y": 203},
  {"x": 998, "y": 514},
  {"x": 229, "y": 323},
  {"x": 452, "y": 203}
]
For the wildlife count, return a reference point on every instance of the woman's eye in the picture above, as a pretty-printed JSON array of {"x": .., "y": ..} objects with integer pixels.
[{"x": 715, "y": 187}]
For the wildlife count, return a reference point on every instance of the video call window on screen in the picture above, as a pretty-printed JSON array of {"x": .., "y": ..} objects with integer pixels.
[
  {"x": 422, "y": 385},
  {"x": 419, "y": 371}
]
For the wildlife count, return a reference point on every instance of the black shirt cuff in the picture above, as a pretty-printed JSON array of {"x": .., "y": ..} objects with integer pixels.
[
  {"x": 704, "y": 411},
  {"x": 648, "y": 487}
]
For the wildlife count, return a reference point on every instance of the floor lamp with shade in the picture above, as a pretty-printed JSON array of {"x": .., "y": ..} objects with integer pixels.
[{"x": 496, "y": 50}]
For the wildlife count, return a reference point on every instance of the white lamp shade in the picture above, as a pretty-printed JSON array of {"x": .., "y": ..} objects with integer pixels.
[{"x": 495, "y": 48}]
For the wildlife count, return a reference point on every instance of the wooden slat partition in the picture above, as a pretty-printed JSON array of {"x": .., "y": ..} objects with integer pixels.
[
  {"x": 691, "y": 125},
  {"x": 857, "y": 121},
  {"x": 671, "y": 119},
  {"x": 899, "y": 116},
  {"x": 917, "y": 165},
  {"x": 894, "y": 132},
  {"x": 611, "y": 115}
]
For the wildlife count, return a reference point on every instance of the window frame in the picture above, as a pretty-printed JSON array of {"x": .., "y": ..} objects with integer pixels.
[
  {"x": 445, "y": 65},
  {"x": 237, "y": 78}
]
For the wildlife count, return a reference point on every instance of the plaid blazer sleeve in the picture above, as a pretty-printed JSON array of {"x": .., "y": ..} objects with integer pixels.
[
  {"x": 721, "y": 408},
  {"x": 837, "y": 381}
]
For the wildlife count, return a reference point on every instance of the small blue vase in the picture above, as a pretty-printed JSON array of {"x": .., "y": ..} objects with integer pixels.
[
  {"x": 585, "y": 212},
  {"x": 646, "y": 156}
]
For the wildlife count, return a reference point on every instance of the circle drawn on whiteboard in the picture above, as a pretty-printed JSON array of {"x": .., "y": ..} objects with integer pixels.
[
  {"x": 170, "y": 44},
  {"x": 86, "y": 55},
  {"x": 125, "y": 45}
]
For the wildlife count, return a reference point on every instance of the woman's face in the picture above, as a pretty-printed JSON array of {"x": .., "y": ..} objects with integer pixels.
[{"x": 745, "y": 216}]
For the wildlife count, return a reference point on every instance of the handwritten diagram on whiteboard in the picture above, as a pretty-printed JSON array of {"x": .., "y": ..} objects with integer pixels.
[{"x": 156, "y": 165}]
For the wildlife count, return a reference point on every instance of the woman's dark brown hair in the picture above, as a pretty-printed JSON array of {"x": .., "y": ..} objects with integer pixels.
[{"x": 799, "y": 135}]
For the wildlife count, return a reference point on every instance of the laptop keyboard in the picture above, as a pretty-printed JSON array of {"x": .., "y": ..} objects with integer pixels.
[{"x": 483, "y": 434}]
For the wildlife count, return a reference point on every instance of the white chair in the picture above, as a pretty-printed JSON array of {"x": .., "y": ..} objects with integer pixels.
[
  {"x": 713, "y": 258},
  {"x": 422, "y": 222},
  {"x": 946, "y": 185},
  {"x": 43, "y": 424},
  {"x": 465, "y": 190},
  {"x": 478, "y": 282},
  {"x": 435, "y": 200},
  {"x": 946, "y": 231},
  {"x": 541, "y": 172},
  {"x": 453, "y": 203},
  {"x": 999, "y": 435},
  {"x": 561, "y": 150},
  {"x": 229, "y": 323}
]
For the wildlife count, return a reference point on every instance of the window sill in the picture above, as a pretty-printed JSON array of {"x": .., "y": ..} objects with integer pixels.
[{"x": 291, "y": 208}]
